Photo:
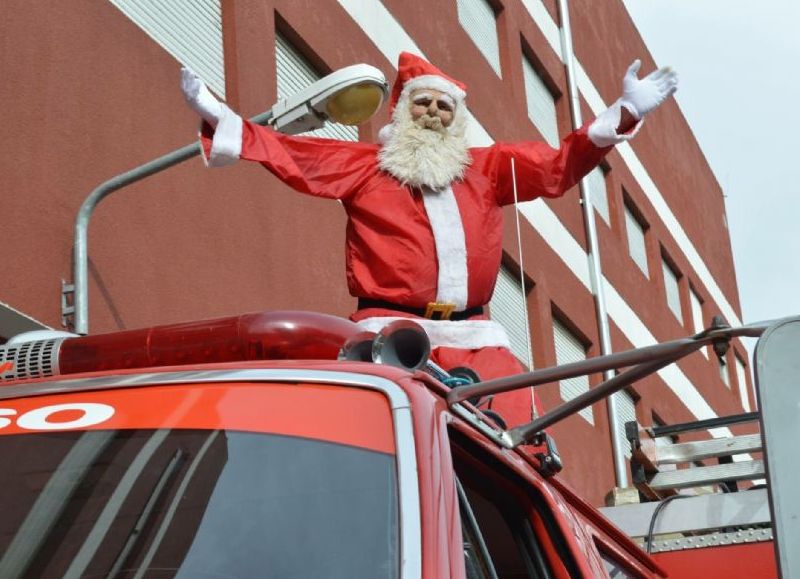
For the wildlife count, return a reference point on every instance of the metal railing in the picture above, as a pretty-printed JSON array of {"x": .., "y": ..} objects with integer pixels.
[{"x": 640, "y": 362}]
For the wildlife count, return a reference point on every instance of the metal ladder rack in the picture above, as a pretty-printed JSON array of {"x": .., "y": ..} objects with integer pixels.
[
  {"x": 704, "y": 518},
  {"x": 655, "y": 467}
]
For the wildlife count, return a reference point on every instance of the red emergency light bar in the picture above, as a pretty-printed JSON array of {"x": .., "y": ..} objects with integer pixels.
[
  {"x": 258, "y": 336},
  {"x": 288, "y": 335}
]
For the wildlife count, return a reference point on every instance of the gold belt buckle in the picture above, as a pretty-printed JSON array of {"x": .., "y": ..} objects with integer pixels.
[{"x": 444, "y": 310}]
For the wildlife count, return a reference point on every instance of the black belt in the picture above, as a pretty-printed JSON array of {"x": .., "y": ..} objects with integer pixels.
[{"x": 434, "y": 311}]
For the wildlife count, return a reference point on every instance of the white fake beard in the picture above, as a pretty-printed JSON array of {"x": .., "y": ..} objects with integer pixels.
[{"x": 424, "y": 157}]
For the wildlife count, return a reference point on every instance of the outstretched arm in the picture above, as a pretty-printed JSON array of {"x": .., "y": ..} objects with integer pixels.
[
  {"x": 622, "y": 120},
  {"x": 320, "y": 167},
  {"x": 543, "y": 171}
]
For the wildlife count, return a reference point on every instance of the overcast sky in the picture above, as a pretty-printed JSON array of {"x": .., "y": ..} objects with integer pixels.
[{"x": 739, "y": 68}]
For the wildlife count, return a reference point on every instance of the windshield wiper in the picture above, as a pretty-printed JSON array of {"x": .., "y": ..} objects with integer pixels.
[{"x": 172, "y": 467}]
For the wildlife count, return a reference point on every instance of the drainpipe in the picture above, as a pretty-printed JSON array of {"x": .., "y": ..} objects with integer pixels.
[
  {"x": 595, "y": 270},
  {"x": 81, "y": 244}
]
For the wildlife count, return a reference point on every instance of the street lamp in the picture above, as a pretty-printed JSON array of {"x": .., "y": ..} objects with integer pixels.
[{"x": 350, "y": 96}]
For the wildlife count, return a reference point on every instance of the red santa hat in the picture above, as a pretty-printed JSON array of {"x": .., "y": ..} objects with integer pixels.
[{"x": 414, "y": 73}]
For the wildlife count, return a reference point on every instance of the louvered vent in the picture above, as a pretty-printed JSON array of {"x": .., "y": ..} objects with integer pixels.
[{"x": 35, "y": 359}]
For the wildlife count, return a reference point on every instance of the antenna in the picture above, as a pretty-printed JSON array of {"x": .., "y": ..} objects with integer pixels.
[{"x": 529, "y": 348}]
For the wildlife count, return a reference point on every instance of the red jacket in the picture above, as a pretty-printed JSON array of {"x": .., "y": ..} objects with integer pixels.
[{"x": 391, "y": 248}]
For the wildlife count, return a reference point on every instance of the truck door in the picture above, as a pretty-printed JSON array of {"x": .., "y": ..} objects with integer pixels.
[{"x": 507, "y": 535}]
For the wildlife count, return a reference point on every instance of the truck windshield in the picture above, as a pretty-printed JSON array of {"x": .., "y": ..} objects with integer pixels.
[
  {"x": 194, "y": 503},
  {"x": 199, "y": 482}
]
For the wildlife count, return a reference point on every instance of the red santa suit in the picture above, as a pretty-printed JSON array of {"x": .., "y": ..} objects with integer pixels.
[{"x": 414, "y": 246}]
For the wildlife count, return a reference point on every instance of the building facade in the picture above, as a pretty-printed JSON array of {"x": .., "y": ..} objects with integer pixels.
[{"x": 92, "y": 91}]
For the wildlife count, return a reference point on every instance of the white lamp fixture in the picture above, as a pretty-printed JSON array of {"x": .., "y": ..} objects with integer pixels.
[{"x": 349, "y": 96}]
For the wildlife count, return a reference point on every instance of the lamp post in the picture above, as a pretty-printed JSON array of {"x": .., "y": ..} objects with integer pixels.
[
  {"x": 595, "y": 269},
  {"x": 350, "y": 96}
]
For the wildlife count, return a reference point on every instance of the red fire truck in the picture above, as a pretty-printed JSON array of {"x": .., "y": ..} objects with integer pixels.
[
  {"x": 294, "y": 445},
  {"x": 291, "y": 444}
]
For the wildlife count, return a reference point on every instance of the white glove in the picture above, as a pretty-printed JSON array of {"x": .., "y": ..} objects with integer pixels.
[
  {"x": 640, "y": 96},
  {"x": 200, "y": 98}
]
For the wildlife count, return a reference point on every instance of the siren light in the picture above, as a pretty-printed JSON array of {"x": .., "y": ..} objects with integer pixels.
[{"x": 288, "y": 335}]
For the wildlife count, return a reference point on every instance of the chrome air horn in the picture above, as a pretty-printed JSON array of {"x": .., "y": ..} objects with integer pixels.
[{"x": 401, "y": 343}]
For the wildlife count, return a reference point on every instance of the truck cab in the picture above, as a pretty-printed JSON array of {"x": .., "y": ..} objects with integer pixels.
[{"x": 252, "y": 447}]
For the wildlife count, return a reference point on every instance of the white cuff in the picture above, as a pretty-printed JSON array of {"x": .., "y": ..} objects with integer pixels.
[
  {"x": 603, "y": 130},
  {"x": 226, "y": 145},
  {"x": 466, "y": 334}
]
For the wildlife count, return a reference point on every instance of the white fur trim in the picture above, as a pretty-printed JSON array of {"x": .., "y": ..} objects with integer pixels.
[
  {"x": 603, "y": 130},
  {"x": 384, "y": 134},
  {"x": 451, "y": 247},
  {"x": 432, "y": 81},
  {"x": 227, "y": 143},
  {"x": 466, "y": 334}
]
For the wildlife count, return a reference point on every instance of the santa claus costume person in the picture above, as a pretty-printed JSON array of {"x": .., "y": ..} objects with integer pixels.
[{"x": 424, "y": 231}]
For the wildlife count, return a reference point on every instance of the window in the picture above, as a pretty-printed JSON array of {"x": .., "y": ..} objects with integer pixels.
[
  {"x": 508, "y": 308},
  {"x": 626, "y": 412},
  {"x": 570, "y": 349},
  {"x": 614, "y": 568},
  {"x": 157, "y": 500},
  {"x": 294, "y": 74},
  {"x": 500, "y": 532},
  {"x": 190, "y": 30},
  {"x": 672, "y": 289},
  {"x": 208, "y": 494},
  {"x": 541, "y": 104},
  {"x": 741, "y": 378},
  {"x": 476, "y": 558},
  {"x": 597, "y": 189},
  {"x": 478, "y": 20},
  {"x": 508, "y": 531},
  {"x": 698, "y": 325},
  {"x": 636, "y": 241}
]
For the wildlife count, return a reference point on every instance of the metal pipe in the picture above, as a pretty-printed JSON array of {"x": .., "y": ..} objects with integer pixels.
[
  {"x": 524, "y": 433},
  {"x": 718, "y": 422},
  {"x": 624, "y": 359},
  {"x": 650, "y": 359},
  {"x": 81, "y": 241},
  {"x": 80, "y": 248},
  {"x": 565, "y": 371},
  {"x": 595, "y": 269}
]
